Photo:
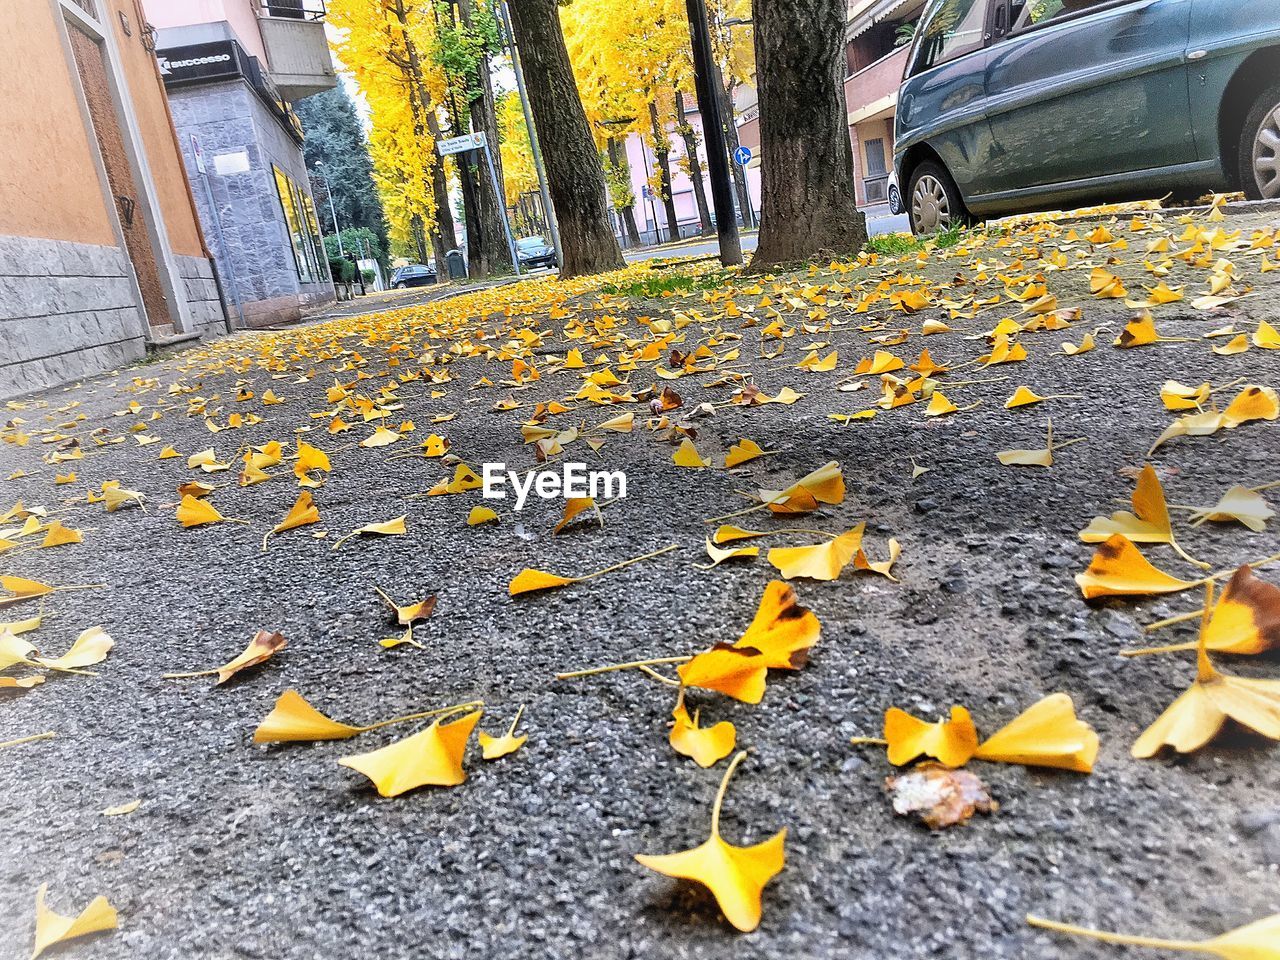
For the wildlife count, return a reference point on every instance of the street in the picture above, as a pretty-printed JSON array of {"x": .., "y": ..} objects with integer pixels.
[{"x": 279, "y": 851}]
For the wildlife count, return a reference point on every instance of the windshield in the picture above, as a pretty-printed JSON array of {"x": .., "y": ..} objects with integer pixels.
[{"x": 528, "y": 243}]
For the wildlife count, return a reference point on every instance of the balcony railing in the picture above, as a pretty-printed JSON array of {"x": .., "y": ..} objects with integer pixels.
[{"x": 294, "y": 9}]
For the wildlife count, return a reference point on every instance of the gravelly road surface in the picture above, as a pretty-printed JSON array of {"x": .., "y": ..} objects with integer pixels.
[{"x": 277, "y": 852}]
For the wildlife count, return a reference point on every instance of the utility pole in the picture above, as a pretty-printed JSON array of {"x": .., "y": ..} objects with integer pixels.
[
  {"x": 704, "y": 81},
  {"x": 319, "y": 165},
  {"x": 518, "y": 69}
]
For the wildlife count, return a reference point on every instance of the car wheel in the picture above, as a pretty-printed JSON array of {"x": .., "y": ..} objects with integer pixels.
[
  {"x": 400, "y": 285},
  {"x": 895, "y": 201},
  {"x": 933, "y": 200},
  {"x": 1260, "y": 147}
]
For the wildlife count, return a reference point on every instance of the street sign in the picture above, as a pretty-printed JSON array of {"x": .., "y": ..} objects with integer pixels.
[
  {"x": 470, "y": 141},
  {"x": 646, "y": 193},
  {"x": 742, "y": 156}
]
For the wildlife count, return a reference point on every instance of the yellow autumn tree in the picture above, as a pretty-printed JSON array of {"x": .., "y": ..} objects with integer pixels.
[
  {"x": 519, "y": 174},
  {"x": 378, "y": 42}
]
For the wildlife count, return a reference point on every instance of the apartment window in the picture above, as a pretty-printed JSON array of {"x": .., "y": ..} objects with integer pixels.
[
  {"x": 87, "y": 6},
  {"x": 306, "y": 245},
  {"x": 876, "y": 182}
]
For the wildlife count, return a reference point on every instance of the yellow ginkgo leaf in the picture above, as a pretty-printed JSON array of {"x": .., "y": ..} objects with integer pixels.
[
  {"x": 432, "y": 757},
  {"x": 388, "y": 528},
  {"x": 687, "y": 455},
  {"x": 19, "y": 589},
  {"x": 1179, "y": 396},
  {"x": 1237, "y": 344},
  {"x": 301, "y": 514},
  {"x": 57, "y": 535},
  {"x": 1074, "y": 350},
  {"x": 492, "y": 748},
  {"x": 741, "y": 452},
  {"x": 193, "y": 512},
  {"x": 1149, "y": 522},
  {"x": 781, "y": 631},
  {"x": 822, "y": 561},
  {"x": 293, "y": 719},
  {"x": 1240, "y": 504},
  {"x": 951, "y": 742},
  {"x": 726, "y": 533},
  {"x": 1046, "y": 734},
  {"x": 882, "y": 567},
  {"x": 1252, "y": 403},
  {"x": 1245, "y": 621},
  {"x": 824, "y": 485},
  {"x": 261, "y": 648},
  {"x": 381, "y": 437},
  {"x": 1105, "y": 284},
  {"x": 736, "y": 876},
  {"x": 1023, "y": 397},
  {"x": 1266, "y": 336},
  {"x": 1118, "y": 568},
  {"x": 939, "y": 405},
  {"x": 574, "y": 507},
  {"x": 53, "y": 928},
  {"x": 207, "y": 461},
  {"x": 409, "y": 613},
  {"x": 1257, "y": 941},
  {"x": 92, "y": 646},
  {"x": 735, "y": 671},
  {"x": 1034, "y": 458},
  {"x": 1199, "y": 714},
  {"x": 479, "y": 515},
  {"x": 623, "y": 423},
  {"x": 719, "y": 556},
  {"x": 529, "y": 580},
  {"x": 706, "y": 746}
]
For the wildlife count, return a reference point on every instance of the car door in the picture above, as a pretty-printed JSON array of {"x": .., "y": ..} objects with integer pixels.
[
  {"x": 1085, "y": 89},
  {"x": 941, "y": 102}
]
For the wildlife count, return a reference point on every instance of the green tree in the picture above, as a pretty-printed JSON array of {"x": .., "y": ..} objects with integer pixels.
[{"x": 335, "y": 137}]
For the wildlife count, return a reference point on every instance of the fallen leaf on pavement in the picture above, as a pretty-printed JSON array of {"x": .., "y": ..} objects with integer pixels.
[
  {"x": 1046, "y": 734},
  {"x": 719, "y": 556},
  {"x": 53, "y": 928},
  {"x": 1118, "y": 568},
  {"x": 687, "y": 456},
  {"x": 92, "y": 646},
  {"x": 574, "y": 507},
  {"x": 1149, "y": 522},
  {"x": 301, "y": 514},
  {"x": 938, "y": 796},
  {"x": 432, "y": 757},
  {"x": 388, "y": 528},
  {"x": 781, "y": 631},
  {"x": 1199, "y": 714},
  {"x": 123, "y": 809},
  {"x": 293, "y": 719},
  {"x": 529, "y": 580},
  {"x": 737, "y": 672},
  {"x": 822, "y": 561},
  {"x": 410, "y": 612},
  {"x": 741, "y": 452},
  {"x": 1240, "y": 504},
  {"x": 951, "y": 741},
  {"x": 736, "y": 876},
  {"x": 492, "y": 748},
  {"x": 1257, "y": 941},
  {"x": 706, "y": 746},
  {"x": 260, "y": 649}
]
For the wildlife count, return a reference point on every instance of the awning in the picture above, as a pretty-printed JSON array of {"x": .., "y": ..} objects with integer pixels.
[{"x": 865, "y": 15}]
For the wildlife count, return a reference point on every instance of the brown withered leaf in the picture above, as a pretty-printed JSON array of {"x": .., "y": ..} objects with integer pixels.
[{"x": 938, "y": 796}]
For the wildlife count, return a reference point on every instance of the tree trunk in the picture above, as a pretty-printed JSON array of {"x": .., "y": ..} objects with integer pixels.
[
  {"x": 662, "y": 157},
  {"x": 807, "y": 205},
  {"x": 732, "y": 143},
  {"x": 575, "y": 178},
  {"x": 444, "y": 238},
  {"x": 491, "y": 249},
  {"x": 618, "y": 160},
  {"x": 690, "y": 137}
]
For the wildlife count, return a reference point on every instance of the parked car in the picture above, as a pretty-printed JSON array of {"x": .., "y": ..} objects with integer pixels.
[
  {"x": 414, "y": 275},
  {"x": 1015, "y": 105},
  {"x": 894, "y": 193},
  {"x": 536, "y": 252}
]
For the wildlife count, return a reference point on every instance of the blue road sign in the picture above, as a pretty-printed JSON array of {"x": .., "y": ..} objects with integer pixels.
[{"x": 742, "y": 156}]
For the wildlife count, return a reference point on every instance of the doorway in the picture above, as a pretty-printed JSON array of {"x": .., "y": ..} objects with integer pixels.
[{"x": 132, "y": 211}]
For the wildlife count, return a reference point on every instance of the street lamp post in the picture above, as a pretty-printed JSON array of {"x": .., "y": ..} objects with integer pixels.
[
  {"x": 333, "y": 216},
  {"x": 713, "y": 133}
]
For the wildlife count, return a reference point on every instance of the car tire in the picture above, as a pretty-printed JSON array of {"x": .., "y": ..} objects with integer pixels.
[
  {"x": 1259, "y": 150},
  {"x": 933, "y": 200},
  {"x": 400, "y": 285}
]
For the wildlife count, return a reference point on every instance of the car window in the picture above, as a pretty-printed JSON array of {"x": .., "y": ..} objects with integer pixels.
[
  {"x": 951, "y": 29},
  {"x": 1030, "y": 13}
]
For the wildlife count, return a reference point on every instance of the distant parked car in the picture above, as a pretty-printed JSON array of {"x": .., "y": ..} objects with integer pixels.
[
  {"x": 414, "y": 275},
  {"x": 895, "y": 195},
  {"x": 1015, "y": 105},
  {"x": 536, "y": 252}
]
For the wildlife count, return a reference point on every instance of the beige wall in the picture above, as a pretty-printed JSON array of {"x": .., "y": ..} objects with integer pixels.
[
  {"x": 49, "y": 185},
  {"x": 147, "y": 94}
]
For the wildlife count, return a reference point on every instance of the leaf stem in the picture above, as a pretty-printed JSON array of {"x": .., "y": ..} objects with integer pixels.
[
  {"x": 654, "y": 674},
  {"x": 1118, "y": 938},
  {"x": 442, "y": 711},
  {"x": 868, "y": 741},
  {"x": 634, "y": 664},
  {"x": 1170, "y": 621},
  {"x": 627, "y": 563},
  {"x": 48, "y": 735},
  {"x": 724, "y": 787},
  {"x": 1147, "y": 651}
]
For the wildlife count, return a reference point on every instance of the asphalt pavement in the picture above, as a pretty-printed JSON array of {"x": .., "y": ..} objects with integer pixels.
[{"x": 243, "y": 851}]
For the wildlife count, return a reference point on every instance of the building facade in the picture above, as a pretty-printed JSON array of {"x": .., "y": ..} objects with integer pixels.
[
  {"x": 878, "y": 36},
  {"x": 232, "y": 69},
  {"x": 101, "y": 250}
]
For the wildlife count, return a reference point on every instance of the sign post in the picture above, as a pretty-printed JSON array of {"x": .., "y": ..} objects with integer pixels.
[{"x": 478, "y": 141}]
